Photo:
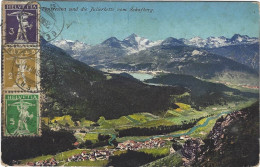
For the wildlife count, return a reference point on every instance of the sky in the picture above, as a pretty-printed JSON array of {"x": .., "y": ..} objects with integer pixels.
[{"x": 168, "y": 19}]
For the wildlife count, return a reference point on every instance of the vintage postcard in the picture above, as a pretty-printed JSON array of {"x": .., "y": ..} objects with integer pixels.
[{"x": 98, "y": 83}]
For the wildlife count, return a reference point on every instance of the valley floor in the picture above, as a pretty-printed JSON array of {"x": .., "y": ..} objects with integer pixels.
[{"x": 104, "y": 144}]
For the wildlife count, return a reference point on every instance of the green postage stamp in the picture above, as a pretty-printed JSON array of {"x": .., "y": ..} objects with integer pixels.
[{"x": 22, "y": 114}]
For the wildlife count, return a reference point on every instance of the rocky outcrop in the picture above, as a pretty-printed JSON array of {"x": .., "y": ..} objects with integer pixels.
[
  {"x": 222, "y": 125},
  {"x": 233, "y": 141},
  {"x": 191, "y": 151}
]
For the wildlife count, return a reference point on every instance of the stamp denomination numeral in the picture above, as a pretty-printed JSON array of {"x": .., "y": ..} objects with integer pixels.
[
  {"x": 11, "y": 31},
  {"x": 10, "y": 75}
]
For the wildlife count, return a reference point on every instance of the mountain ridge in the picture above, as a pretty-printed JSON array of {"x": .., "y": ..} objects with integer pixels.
[
  {"x": 189, "y": 61},
  {"x": 210, "y": 42},
  {"x": 112, "y": 48}
]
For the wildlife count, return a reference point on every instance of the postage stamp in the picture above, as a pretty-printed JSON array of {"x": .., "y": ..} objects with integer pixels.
[
  {"x": 21, "y": 23},
  {"x": 21, "y": 70},
  {"x": 22, "y": 112}
]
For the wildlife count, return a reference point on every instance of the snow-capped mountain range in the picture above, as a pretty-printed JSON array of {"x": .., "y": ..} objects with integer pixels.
[
  {"x": 215, "y": 42},
  {"x": 131, "y": 44},
  {"x": 135, "y": 43},
  {"x": 74, "y": 48},
  {"x": 241, "y": 48}
]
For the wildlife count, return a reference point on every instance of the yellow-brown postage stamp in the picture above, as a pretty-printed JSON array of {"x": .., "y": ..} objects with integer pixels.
[{"x": 21, "y": 69}]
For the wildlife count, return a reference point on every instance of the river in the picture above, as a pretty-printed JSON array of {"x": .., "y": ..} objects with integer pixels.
[{"x": 113, "y": 136}]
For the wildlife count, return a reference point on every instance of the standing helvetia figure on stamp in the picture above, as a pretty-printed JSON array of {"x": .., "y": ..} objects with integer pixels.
[
  {"x": 22, "y": 108},
  {"x": 21, "y": 24},
  {"x": 22, "y": 17},
  {"x": 21, "y": 114},
  {"x": 21, "y": 73}
]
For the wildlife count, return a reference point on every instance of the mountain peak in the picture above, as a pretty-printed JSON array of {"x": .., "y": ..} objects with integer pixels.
[
  {"x": 112, "y": 42},
  {"x": 173, "y": 42},
  {"x": 239, "y": 38},
  {"x": 133, "y": 35},
  {"x": 196, "y": 38},
  {"x": 135, "y": 41},
  {"x": 237, "y": 35},
  {"x": 111, "y": 39}
]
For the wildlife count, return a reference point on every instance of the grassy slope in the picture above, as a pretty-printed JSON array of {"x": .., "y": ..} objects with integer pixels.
[
  {"x": 170, "y": 160},
  {"x": 156, "y": 151},
  {"x": 88, "y": 163}
]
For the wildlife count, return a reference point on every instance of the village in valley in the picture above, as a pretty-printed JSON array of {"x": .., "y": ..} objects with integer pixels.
[
  {"x": 95, "y": 147},
  {"x": 105, "y": 153}
]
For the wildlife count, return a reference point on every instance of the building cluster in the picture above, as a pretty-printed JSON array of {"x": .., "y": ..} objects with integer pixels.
[
  {"x": 92, "y": 156},
  {"x": 133, "y": 145},
  {"x": 244, "y": 86},
  {"x": 50, "y": 162},
  {"x": 250, "y": 87},
  {"x": 95, "y": 154},
  {"x": 185, "y": 137}
]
